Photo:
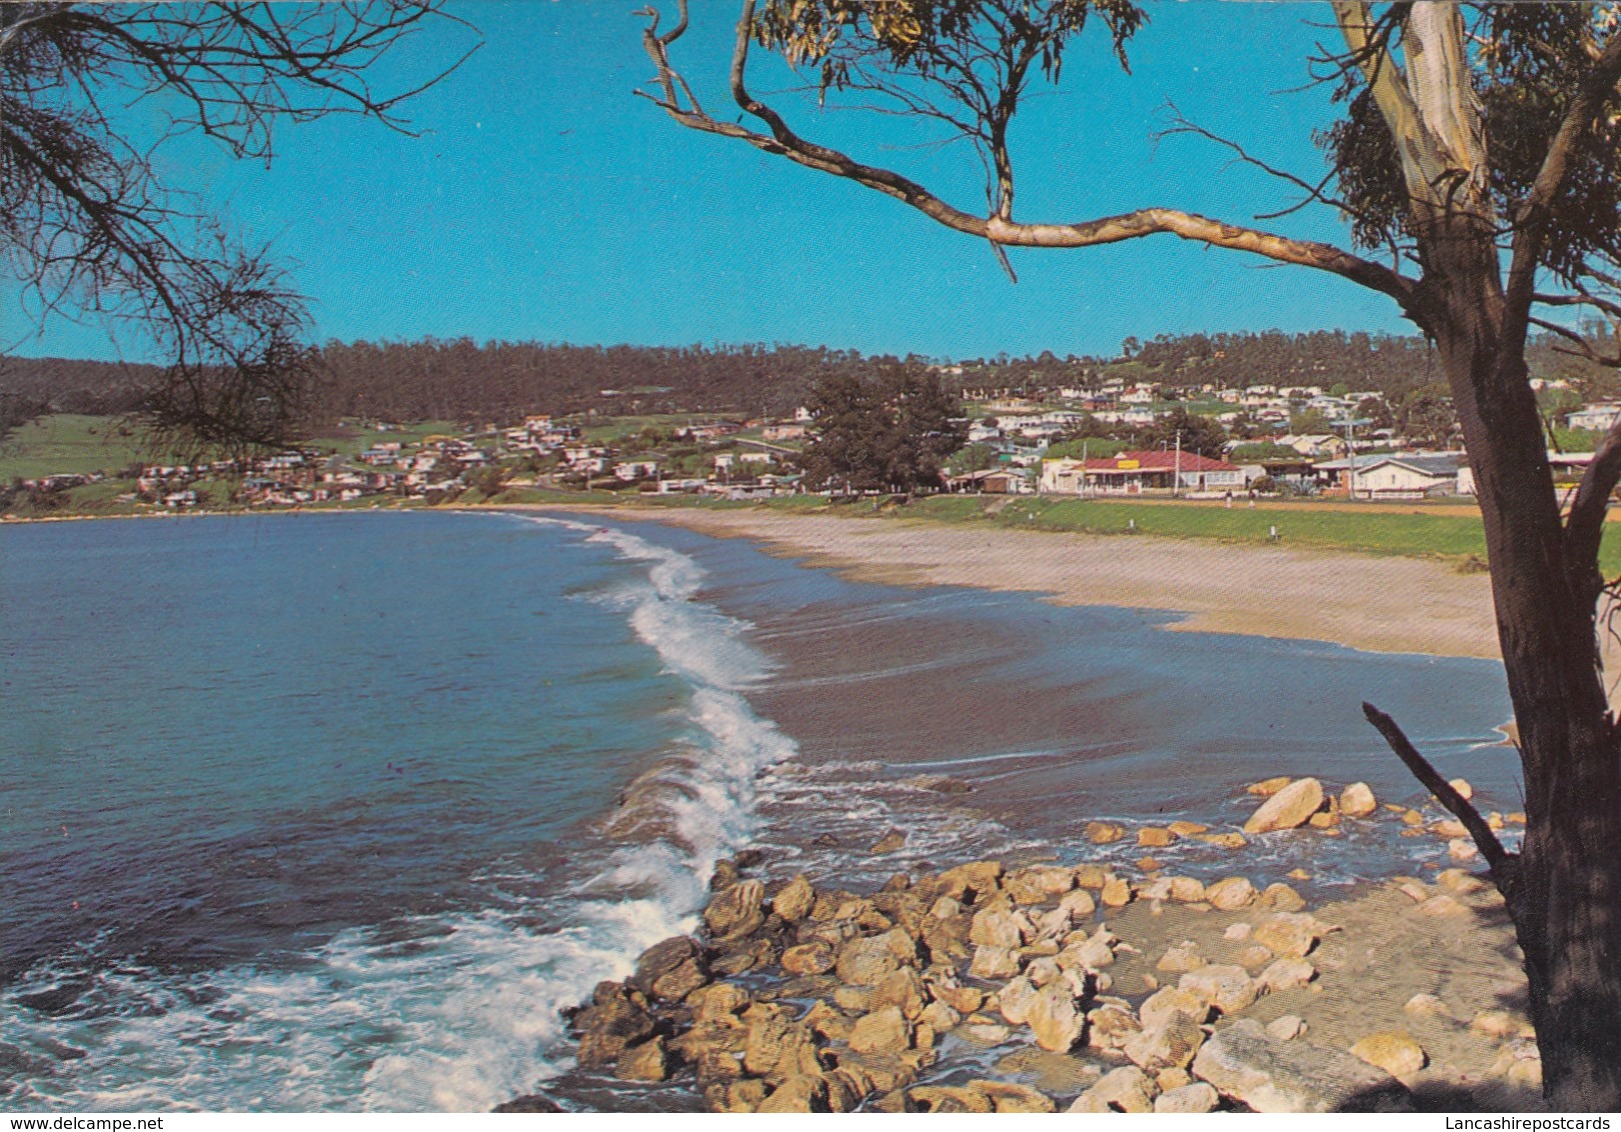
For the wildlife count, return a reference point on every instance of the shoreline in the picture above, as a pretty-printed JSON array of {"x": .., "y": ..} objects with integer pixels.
[{"x": 1371, "y": 603}]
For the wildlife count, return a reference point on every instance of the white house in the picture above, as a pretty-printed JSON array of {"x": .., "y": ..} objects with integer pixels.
[
  {"x": 1596, "y": 417},
  {"x": 1402, "y": 475}
]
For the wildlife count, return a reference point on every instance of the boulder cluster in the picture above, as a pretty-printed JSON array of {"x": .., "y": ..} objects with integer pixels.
[{"x": 804, "y": 999}]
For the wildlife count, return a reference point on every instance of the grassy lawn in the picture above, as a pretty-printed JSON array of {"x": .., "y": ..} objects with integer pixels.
[
  {"x": 67, "y": 443},
  {"x": 352, "y": 441}
]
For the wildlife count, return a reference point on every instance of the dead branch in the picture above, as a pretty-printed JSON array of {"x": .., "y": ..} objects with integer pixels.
[
  {"x": 782, "y": 140},
  {"x": 1500, "y": 859}
]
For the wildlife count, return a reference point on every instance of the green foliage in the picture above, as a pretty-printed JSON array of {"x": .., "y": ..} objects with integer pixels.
[
  {"x": 974, "y": 458},
  {"x": 1196, "y": 433},
  {"x": 1426, "y": 414},
  {"x": 1264, "y": 450},
  {"x": 891, "y": 433},
  {"x": 1312, "y": 422}
]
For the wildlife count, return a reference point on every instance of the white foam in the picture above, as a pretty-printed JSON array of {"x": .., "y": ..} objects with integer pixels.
[{"x": 461, "y": 1018}]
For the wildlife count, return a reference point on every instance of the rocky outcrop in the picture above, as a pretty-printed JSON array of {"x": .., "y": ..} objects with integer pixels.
[
  {"x": 1244, "y": 1063},
  {"x": 1289, "y": 808}
]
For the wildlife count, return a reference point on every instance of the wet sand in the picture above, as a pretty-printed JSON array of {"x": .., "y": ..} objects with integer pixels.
[{"x": 1378, "y": 604}]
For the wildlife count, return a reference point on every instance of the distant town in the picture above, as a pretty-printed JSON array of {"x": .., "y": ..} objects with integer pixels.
[{"x": 1262, "y": 440}]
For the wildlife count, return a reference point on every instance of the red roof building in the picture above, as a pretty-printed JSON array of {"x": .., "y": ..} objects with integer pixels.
[{"x": 1131, "y": 473}]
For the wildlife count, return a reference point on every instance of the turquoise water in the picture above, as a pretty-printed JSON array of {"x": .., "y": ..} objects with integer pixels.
[{"x": 338, "y": 811}]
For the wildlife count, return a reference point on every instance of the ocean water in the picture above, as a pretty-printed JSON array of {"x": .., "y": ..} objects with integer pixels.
[{"x": 339, "y": 811}]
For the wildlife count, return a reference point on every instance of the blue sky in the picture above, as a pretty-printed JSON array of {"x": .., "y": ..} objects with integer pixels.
[{"x": 544, "y": 201}]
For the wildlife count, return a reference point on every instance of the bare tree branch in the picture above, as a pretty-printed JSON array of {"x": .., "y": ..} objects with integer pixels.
[
  {"x": 1500, "y": 859},
  {"x": 782, "y": 140}
]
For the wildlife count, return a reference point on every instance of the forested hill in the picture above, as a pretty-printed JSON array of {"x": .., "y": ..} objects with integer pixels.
[
  {"x": 499, "y": 381},
  {"x": 459, "y": 380}
]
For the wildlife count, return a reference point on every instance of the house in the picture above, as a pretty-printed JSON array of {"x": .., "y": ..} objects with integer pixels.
[
  {"x": 1132, "y": 473},
  {"x": 1317, "y": 445},
  {"x": 1597, "y": 417},
  {"x": 629, "y": 470},
  {"x": 1399, "y": 475},
  {"x": 783, "y": 432},
  {"x": 991, "y": 481}
]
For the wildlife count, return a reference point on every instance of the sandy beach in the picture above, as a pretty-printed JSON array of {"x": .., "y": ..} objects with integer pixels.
[{"x": 1379, "y": 604}]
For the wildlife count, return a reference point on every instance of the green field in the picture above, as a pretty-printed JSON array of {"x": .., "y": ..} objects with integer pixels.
[{"x": 66, "y": 443}]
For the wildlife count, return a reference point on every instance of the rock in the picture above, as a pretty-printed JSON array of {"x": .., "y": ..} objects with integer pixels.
[
  {"x": 1280, "y": 898},
  {"x": 1110, "y": 1026},
  {"x": 1172, "y": 1041},
  {"x": 1007, "y": 1096},
  {"x": 1394, "y": 1051},
  {"x": 1116, "y": 893},
  {"x": 904, "y": 988},
  {"x": 1288, "y": 808},
  {"x": 1459, "y": 883},
  {"x": 1043, "y": 970},
  {"x": 776, "y": 1047},
  {"x": 964, "y": 1000},
  {"x": 882, "y": 1031},
  {"x": 999, "y": 927},
  {"x": 939, "y": 1017},
  {"x": 1286, "y": 974},
  {"x": 617, "y": 1018},
  {"x": 1287, "y": 934},
  {"x": 880, "y": 1072},
  {"x": 950, "y": 1098},
  {"x": 979, "y": 877},
  {"x": 736, "y": 1096},
  {"x": 1172, "y": 1000},
  {"x": 645, "y": 1062},
  {"x": 1238, "y": 932},
  {"x": 1357, "y": 801},
  {"x": 1230, "y": 894},
  {"x": 1449, "y": 827},
  {"x": 671, "y": 970},
  {"x": 1127, "y": 1089},
  {"x": 888, "y": 843},
  {"x": 1232, "y": 840},
  {"x": 1015, "y": 999},
  {"x": 828, "y": 1022},
  {"x": 1091, "y": 876},
  {"x": 858, "y": 999},
  {"x": 1054, "y": 1020},
  {"x": 1038, "y": 884},
  {"x": 1465, "y": 791},
  {"x": 1521, "y": 1063},
  {"x": 1187, "y": 890},
  {"x": 1228, "y": 989},
  {"x": 1255, "y": 955},
  {"x": 1286, "y": 1027},
  {"x": 1154, "y": 837},
  {"x": 1172, "y": 1077},
  {"x": 814, "y": 958},
  {"x": 994, "y": 963},
  {"x": 868, "y": 960},
  {"x": 1178, "y": 960},
  {"x": 1186, "y": 828},
  {"x": 1298, "y": 874},
  {"x": 1197, "y": 1097},
  {"x": 718, "y": 1002},
  {"x": 1495, "y": 1024},
  {"x": 736, "y": 911},
  {"x": 1460, "y": 850},
  {"x": 1078, "y": 903},
  {"x": 1087, "y": 955},
  {"x": 1267, "y": 787},
  {"x": 1426, "y": 1006},
  {"x": 986, "y": 1033},
  {"x": 802, "y": 1092},
  {"x": 1244, "y": 1063},
  {"x": 795, "y": 901},
  {"x": 1103, "y": 832}
]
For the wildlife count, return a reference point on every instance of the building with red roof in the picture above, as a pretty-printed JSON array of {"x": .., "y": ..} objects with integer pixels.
[{"x": 1131, "y": 473}]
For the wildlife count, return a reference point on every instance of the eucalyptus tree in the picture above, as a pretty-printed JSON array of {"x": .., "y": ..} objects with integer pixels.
[
  {"x": 1477, "y": 161},
  {"x": 93, "y": 222}
]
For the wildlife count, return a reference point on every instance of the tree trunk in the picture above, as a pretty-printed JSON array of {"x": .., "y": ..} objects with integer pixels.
[{"x": 1564, "y": 892}]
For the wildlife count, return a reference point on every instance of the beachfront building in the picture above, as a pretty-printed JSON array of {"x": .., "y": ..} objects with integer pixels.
[
  {"x": 1399, "y": 475},
  {"x": 1134, "y": 473}
]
